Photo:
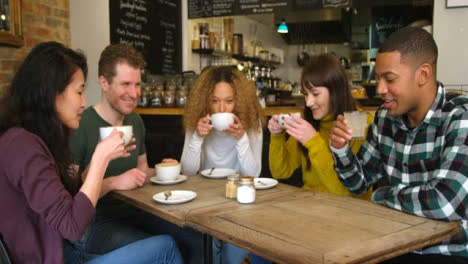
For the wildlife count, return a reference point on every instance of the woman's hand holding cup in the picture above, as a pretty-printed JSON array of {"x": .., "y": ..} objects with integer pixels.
[
  {"x": 274, "y": 126},
  {"x": 299, "y": 128},
  {"x": 203, "y": 126},
  {"x": 235, "y": 129},
  {"x": 113, "y": 146}
]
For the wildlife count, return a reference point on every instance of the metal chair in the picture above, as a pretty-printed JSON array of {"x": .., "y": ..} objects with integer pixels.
[{"x": 4, "y": 258}]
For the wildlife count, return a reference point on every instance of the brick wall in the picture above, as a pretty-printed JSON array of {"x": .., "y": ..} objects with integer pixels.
[{"x": 42, "y": 20}]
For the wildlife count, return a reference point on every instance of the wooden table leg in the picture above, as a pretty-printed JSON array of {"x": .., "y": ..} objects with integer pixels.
[{"x": 207, "y": 249}]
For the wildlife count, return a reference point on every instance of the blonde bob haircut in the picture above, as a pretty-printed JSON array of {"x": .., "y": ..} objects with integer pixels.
[{"x": 246, "y": 105}]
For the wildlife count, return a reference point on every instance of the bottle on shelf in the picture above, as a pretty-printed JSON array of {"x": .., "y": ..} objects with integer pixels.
[
  {"x": 157, "y": 94},
  {"x": 156, "y": 100},
  {"x": 235, "y": 44},
  {"x": 144, "y": 97},
  {"x": 204, "y": 32},
  {"x": 196, "y": 38}
]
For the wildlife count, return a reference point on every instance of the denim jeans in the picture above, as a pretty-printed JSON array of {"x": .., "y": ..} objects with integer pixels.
[
  {"x": 109, "y": 233},
  {"x": 155, "y": 249},
  {"x": 255, "y": 259},
  {"x": 225, "y": 253}
]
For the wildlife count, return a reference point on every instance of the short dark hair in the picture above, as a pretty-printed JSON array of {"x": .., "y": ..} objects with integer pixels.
[
  {"x": 30, "y": 101},
  {"x": 414, "y": 43},
  {"x": 119, "y": 53}
]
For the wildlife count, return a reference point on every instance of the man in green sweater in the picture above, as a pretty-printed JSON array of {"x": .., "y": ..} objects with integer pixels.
[
  {"x": 117, "y": 224},
  {"x": 120, "y": 79}
]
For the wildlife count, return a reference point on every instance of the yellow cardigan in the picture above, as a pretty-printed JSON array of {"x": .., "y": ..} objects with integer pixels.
[{"x": 286, "y": 156}]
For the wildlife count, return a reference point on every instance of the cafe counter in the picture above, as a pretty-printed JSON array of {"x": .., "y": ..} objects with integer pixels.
[{"x": 269, "y": 111}]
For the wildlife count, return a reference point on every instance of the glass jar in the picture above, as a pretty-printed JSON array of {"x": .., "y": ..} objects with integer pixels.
[
  {"x": 181, "y": 98},
  {"x": 159, "y": 87},
  {"x": 169, "y": 99},
  {"x": 143, "y": 101},
  {"x": 156, "y": 101},
  {"x": 171, "y": 84},
  {"x": 246, "y": 190},
  {"x": 231, "y": 186}
]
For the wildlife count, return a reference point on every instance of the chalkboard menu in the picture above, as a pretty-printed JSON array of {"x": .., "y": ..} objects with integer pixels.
[
  {"x": 213, "y": 8},
  {"x": 317, "y": 4},
  {"x": 336, "y": 3},
  {"x": 151, "y": 26},
  {"x": 388, "y": 19}
]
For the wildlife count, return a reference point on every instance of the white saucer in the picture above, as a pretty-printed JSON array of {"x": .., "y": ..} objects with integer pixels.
[
  {"x": 217, "y": 173},
  {"x": 264, "y": 183},
  {"x": 177, "y": 197},
  {"x": 179, "y": 178}
]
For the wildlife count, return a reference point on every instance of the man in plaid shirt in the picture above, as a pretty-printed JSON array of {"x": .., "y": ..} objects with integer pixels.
[{"x": 417, "y": 143}]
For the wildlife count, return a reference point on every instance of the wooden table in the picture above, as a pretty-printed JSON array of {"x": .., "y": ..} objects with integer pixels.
[
  {"x": 210, "y": 193},
  {"x": 289, "y": 225},
  {"x": 309, "y": 227}
]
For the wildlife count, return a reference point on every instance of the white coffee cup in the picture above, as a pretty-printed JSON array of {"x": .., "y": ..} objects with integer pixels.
[
  {"x": 283, "y": 117},
  {"x": 126, "y": 130},
  {"x": 221, "y": 121},
  {"x": 167, "y": 171}
]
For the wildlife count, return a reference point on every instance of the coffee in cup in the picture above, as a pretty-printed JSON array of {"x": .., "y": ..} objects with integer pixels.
[
  {"x": 126, "y": 130},
  {"x": 167, "y": 171},
  {"x": 221, "y": 121}
]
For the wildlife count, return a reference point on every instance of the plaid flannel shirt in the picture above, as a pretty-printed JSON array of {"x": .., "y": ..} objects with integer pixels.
[{"x": 426, "y": 167}]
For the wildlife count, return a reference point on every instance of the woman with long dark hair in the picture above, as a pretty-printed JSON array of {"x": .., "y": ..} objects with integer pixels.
[{"x": 40, "y": 197}]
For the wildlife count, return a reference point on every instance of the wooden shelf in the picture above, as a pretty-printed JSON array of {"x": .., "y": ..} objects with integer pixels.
[
  {"x": 269, "y": 111},
  {"x": 203, "y": 51},
  {"x": 276, "y": 110},
  {"x": 160, "y": 111},
  {"x": 239, "y": 57}
]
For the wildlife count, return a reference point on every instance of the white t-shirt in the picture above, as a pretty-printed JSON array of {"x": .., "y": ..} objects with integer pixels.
[{"x": 219, "y": 150}]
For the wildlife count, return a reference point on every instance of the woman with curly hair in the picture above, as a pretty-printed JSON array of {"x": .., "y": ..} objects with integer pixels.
[{"x": 239, "y": 147}]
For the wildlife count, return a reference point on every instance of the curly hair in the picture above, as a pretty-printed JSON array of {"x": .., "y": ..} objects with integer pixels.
[
  {"x": 119, "y": 53},
  {"x": 246, "y": 106},
  {"x": 30, "y": 101}
]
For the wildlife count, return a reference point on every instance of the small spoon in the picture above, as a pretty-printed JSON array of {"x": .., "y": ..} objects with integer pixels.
[
  {"x": 262, "y": 183},
  {"x": 167, "y": 194},
  {"x": 211, "y": 171}
]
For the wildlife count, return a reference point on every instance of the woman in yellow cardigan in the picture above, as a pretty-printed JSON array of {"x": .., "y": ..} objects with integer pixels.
[{"x": 327, "y": 94}]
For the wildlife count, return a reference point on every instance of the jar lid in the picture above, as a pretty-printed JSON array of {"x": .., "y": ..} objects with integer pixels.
[
  {"x": 233, "y": 177},
  {"x": 246, "y": 179}
]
